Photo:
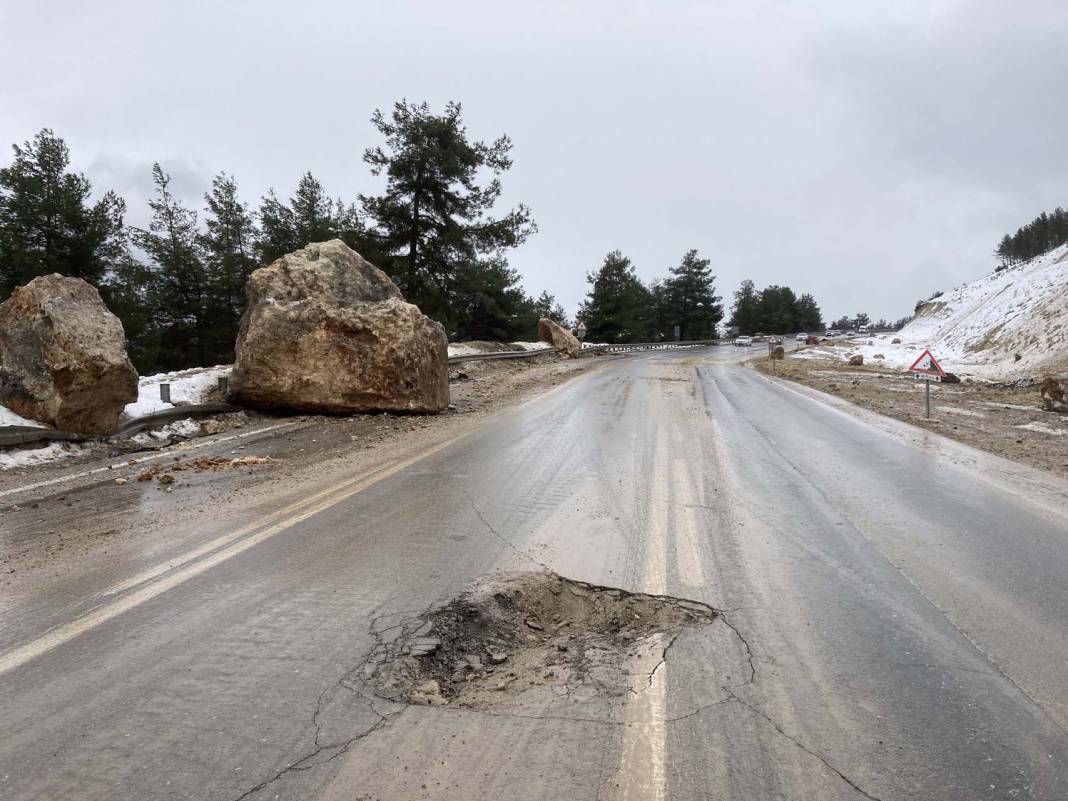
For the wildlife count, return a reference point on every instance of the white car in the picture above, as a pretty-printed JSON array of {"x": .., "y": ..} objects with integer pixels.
[
  {"x": 743, "y": 342},
  {"x": 801, "y": 337}
]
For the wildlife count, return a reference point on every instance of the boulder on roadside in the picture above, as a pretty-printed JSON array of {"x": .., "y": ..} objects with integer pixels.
[
  {"x": 559, "y": 337},
  {"x": 327, "y": 331},
  {"x": 63, "y": 356},
  {"x": 895, "y": 341},
  {"x": 1054, "y": 395},
  {"x": 777, "y": 352},
  {"x": 856, "y": 360},
  {"x": 951, "y": 378}
]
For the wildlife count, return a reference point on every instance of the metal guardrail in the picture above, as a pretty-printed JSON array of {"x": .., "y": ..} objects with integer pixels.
[
  {"x": 501, "y": 354},
  {"x": 591, "y": 349},
  {"x": 177, "y": 413},
  {"x": 23, "y": 435}
]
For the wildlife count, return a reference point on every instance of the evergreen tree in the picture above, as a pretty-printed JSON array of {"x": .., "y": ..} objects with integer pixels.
[
  {"x": 547, "y": 306},
  {"x": 618, "y": 307},
  {"x": 807, "y": 314},
  {"x": 744, "y": 313},
  {"x": 48, "y": 223},
  {"x": 180, "y": 282},
  {"x": 433, "y": 223},
  {"x": 691, "y": 300},
  {"x": 309, "y": 216},
  {"x": 861, "y": 319},
  {"x": 227, "y": 245},
  {"x": 843, "y": 323},
  {"x": 489, "y": 304}
]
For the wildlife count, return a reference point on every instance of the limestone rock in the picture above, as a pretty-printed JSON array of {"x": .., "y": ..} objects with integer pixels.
[
  {"x": 327, "y": 331},
  {"x": 1054, "y": 395},
  {"x": 856, "y": 360},
  {"x": 778, "y": 352},
  {"x": 63, "y": 356},
  {"x": 558, "y": 336}
]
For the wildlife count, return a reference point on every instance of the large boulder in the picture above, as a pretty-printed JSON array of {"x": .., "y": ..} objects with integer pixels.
[
  {"x": 559, "y": 337},
  {"x": 327, "y": 331},
  {"x": 63, "y": 356}
]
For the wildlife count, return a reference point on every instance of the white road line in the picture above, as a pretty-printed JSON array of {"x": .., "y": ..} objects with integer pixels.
[
  {"x": 119, "y": 465},
  {"x": 643, "y": 764},
  {"x": 308, "y": 507},
  {"x": 687, "y": 554}
]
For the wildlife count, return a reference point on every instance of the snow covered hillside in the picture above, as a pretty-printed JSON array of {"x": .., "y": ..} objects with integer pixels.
[{"x": 980, "y": 328}]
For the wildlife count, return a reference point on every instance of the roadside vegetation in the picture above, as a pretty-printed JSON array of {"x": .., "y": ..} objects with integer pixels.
[{"x": 178, "y": 285}]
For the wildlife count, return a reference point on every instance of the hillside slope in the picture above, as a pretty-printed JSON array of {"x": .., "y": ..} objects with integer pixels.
[{"x": 980, "y": 328}]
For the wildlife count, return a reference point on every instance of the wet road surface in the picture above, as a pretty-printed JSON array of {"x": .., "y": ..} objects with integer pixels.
[{"x": 893, "y": 617}]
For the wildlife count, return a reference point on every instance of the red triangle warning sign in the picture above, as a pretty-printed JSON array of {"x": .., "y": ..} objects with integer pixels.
[{"x": 928, "y": 365}]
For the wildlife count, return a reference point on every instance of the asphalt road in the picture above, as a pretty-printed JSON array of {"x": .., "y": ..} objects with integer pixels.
[{"x": 894, "y": 617}]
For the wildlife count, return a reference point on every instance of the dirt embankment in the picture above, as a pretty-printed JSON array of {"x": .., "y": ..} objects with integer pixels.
[{"x": 1007, "y": 421}]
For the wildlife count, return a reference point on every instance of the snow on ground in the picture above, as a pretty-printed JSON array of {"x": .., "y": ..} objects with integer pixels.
[
  {"x": 473, "y": 348},
  {"x": 1042, "y": 428},
  {"x": 978, "y": 329},
  {"x": 27, "y": 457},
  {"x": 185, "y": 427},
  {"x": 9, "y": 418},
  {"x": 192, "y": 386}
]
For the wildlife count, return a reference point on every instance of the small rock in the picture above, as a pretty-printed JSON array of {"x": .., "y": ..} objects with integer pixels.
[
  {"x": 473, "y": 661},
  {"x": 531, "y": 623},
  {"x": 120, "y": 481},
  {"x": 497, "y": 657},
  {"x": 424, "y": 645}
]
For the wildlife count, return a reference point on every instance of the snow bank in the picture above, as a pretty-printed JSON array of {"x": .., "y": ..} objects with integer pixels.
[
  {"x": 475, "y": 348},
  {"x": 186, "y": 427},
  {"x": 530, "y": 345},
  {"x": 978, "y": 329},
  {"x": 27, "y": 457},
  {"x": 192, "y": 386},
  {"x": 9, "y": 418}
]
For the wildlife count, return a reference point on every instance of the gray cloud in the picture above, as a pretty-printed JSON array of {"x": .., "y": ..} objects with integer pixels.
[{"x": 868, "y": 153}]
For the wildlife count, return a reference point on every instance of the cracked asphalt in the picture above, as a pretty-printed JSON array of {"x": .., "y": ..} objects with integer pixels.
[{"x": 894, "y": 613}]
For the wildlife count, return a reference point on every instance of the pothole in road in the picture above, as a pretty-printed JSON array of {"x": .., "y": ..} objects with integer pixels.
[{"x": 529, "y": 634}]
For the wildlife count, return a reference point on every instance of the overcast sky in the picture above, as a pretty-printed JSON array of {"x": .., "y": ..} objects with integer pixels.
[{"x": 866, "y": 152}]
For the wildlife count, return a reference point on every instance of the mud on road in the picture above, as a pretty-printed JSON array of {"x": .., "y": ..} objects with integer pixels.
[{"x": 1003, "y": 420}]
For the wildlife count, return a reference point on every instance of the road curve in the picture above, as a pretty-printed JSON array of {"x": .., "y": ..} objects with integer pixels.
[{"x": 894, "y": 619}]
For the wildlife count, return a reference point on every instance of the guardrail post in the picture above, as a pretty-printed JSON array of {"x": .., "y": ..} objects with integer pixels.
[{"x": 165, "y": 392}]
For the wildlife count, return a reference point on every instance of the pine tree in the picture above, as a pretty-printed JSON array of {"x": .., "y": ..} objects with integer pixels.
[
  {"x": 546, "y": 305},
  {"x": 692, "y": 303},
  {"x": 744, "y": 313},
  {"x": 309, "y": 216},
  {"x": 807, "y": 314},
  {"x": 433, "y": 224},
  {"x": 180, "y": 282},
  {"x": 227, "y": 245},
  {"x": 48, "y": 223},
  {"x": 618, "y": 307}
]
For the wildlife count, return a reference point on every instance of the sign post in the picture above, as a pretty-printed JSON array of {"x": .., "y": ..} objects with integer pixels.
[{"x": 927, "y": 368}]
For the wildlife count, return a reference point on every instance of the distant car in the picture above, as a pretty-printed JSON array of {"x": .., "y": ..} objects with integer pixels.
[
  {"x": 743, "y": 342},
  {"x": 801, "y": 337},
  {"x": 811, "y": 340}
]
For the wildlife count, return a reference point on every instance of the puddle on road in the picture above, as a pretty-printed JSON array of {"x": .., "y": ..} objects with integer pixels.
[{"x": 529, "y": 637}]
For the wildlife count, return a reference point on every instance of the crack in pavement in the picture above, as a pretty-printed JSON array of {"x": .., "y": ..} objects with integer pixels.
[
  {"x": 306, "y": 762},
  {"x": 823, "y": 760},
  {"x": 493, "y": 530}
]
